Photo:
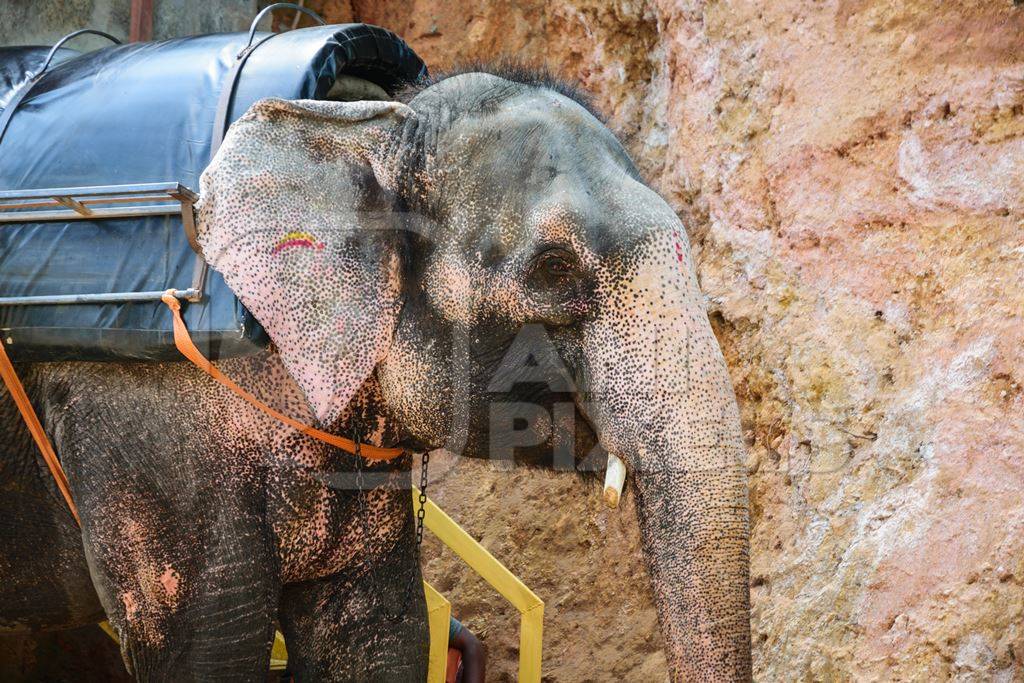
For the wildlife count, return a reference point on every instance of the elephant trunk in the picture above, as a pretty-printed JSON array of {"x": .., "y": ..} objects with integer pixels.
[
  {"x": 655, "y": 387},
  {"x": 691, "y": 503},
  {"x": 693, "y": 528}
]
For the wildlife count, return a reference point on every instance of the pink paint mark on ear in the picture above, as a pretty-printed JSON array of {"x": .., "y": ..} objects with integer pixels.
[{"x": 295, "y": 239}]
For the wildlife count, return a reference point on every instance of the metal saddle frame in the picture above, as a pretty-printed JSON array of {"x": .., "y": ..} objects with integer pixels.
[{"x": 123, "y": 201}]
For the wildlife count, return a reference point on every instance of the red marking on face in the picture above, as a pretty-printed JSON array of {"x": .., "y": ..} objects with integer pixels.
[{"x": 679, "y": 247}]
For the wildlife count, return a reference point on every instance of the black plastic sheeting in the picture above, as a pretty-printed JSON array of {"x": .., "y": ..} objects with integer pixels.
[
  {"x": 140, "y": 113},
  {"x": 17, "y": 64}
]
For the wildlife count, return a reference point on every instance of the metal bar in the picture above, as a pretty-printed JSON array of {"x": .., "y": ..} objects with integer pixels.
[
  {"x": 54, "y": 202},
  {"x": 74, "y": 205},
  {"x": 68, "y": 215},
  {"x": 99, "y": 190},
  {"x": 439, "y": 616},
  {"x": 531, "y": 643},
  {"x": 74, "y": 34},
  {"x": 178, "y": 200},
  {"x": 199, "y": 271},
  {"x": 183, "y": 194},
  {"x": 113, "y": 297},
  {"x": 188, "y": 224},
  {"x": 30, "y": 205},
  {"x": 281, "y": 5},
  {"x": 123, "y": 200},
  {"x": 278, "y": 653}
]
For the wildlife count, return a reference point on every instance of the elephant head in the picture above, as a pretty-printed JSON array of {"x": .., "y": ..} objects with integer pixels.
[{"x": 489, "y": 255}]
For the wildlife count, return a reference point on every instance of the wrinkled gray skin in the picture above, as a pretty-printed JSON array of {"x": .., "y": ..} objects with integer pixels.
[{"x": 483, "y": 271}]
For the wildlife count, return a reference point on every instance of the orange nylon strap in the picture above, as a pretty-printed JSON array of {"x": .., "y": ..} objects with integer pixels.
[
  {"x": 35, "y": 427},
  {"x": 183, "y": 341}
]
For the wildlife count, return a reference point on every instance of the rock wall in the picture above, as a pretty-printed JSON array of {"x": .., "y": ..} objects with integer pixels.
[
  {"x": 35, "y": 22},
  {"x": 852, "y": 177}
]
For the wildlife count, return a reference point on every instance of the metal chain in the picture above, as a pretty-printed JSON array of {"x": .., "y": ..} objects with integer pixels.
[
  {"x": 364, "y": 514},
  {"x": 421, "y": 513}
]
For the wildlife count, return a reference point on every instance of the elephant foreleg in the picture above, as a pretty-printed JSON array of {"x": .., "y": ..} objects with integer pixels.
[
  {"x": 200, "y": 608},
  {"x": 358, "y": 626}
]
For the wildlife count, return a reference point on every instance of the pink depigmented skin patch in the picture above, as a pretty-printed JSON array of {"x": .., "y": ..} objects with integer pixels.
[
  {"x": 170, "y": 580},
  {"x": 131, "y": 606}
]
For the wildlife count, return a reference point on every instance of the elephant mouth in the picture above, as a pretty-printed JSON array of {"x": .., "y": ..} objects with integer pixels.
[{"x": 548, "y": 432}]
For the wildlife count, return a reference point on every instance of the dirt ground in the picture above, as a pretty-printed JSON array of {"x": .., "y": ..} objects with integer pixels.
[{"x": 580, "y": 558}]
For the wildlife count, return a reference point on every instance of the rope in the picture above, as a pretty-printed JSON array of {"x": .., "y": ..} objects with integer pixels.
[
  {"x": 183, "y": 341},
  {"x": 35, "y": 427}
]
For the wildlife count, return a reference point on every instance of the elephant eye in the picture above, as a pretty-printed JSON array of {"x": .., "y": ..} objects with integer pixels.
[
  {"x": 557, "y": 266},
  {"x": 553, "y": 268}
]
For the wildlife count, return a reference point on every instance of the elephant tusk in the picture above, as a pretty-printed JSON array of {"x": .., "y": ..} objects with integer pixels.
[{"x": 614, "y": 478}]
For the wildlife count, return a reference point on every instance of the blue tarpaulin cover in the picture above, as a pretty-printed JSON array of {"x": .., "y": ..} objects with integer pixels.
[{"x": 142, "y": 113}]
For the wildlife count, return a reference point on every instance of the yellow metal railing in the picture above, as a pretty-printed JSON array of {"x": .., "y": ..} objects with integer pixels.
[
  {"x": 278, "y": 653},
  {"x": 439, "y": 610},
  {"x": 531, "y": 608},
  {"x": 439, "y": 614}
]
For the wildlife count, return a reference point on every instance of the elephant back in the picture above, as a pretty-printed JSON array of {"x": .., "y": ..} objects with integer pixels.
[{"x": 147, "y": 113}]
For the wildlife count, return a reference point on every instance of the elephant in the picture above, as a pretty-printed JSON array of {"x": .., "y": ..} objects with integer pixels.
[{"x": 477, "y": 266}]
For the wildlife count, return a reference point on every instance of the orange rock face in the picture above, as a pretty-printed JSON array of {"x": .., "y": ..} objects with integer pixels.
[{"x": 852, "y": 177}]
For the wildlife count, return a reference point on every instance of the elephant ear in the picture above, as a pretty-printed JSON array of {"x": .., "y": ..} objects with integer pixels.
[{"x": 295, "y": 212}]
